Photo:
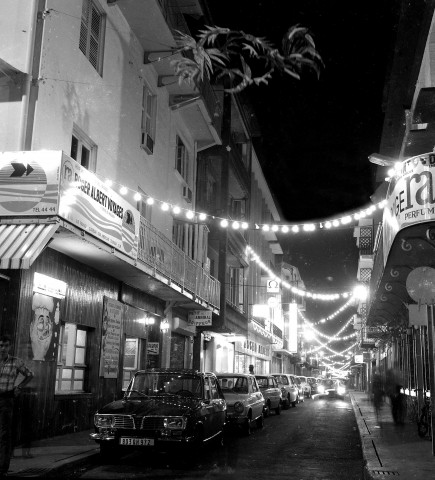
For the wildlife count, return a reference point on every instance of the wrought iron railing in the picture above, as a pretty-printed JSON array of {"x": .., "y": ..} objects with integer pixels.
[{"x": 166, "y": 258}]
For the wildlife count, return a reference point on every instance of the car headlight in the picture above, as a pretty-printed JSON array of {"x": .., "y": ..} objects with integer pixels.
[
  {"x": 321, "y": 389},
  {"x": 239, "y": 407},
  {"x": 103, "y": 420},
  {"x": 174, "y": 423},
  {"x": 341, "y": 390}
]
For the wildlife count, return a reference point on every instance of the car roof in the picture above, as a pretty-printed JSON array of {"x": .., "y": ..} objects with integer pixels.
[{"x": 232, "y": 374}]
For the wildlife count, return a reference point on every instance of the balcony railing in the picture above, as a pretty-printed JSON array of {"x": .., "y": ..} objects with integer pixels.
[{"x": 158, "y": 252}]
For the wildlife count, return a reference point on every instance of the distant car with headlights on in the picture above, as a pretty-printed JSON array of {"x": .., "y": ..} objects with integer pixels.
[
  {"x": 271, "y": 392},
  {"x": 245, "y": 402},
  {"x": 162, "y": 408},
  {"x": 332, "y": 388}
]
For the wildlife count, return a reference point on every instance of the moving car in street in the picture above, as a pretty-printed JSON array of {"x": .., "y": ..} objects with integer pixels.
[
  {"x": 271, "y": 392},
  {"x": 245, "y": 402},
  {"x": 289, "y": 389},
  {"x": 161, "y": 408},
  {"x": 332, "y": 388}
]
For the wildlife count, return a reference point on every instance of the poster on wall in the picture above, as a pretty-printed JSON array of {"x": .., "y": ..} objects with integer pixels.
[
  {"x": 111, "y": 338},
  {"x": 44, "y": 327}
]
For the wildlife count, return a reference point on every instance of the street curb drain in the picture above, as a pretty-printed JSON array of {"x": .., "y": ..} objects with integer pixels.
[{"x": 385, "y": 472}]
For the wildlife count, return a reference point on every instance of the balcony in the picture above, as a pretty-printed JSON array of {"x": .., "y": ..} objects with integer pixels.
[{"x": 155, "y": 250}]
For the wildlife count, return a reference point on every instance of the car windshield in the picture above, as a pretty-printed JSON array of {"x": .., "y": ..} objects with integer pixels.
[
  {"x": 159, "y": 383},
  {"x": 329, "y": 383},
  {"x": 264, "y": 382},
  {"x": 234, "y": 384},
  {"x": 282, "y": 379}
]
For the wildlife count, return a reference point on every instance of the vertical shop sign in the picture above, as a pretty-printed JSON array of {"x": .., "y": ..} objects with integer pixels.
[{"x": 111, "y": 338}]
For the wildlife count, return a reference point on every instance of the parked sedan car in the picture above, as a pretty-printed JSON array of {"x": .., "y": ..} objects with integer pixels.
[
  {"x": 306, "y": 388},
  {"x": 161, "y": 408},
  {"x": 312, "y": 381},
  {"x": 290, "y": 392},
  {"x": 301, "y": 395},
  {"x": 271, "y": 392},
  {"x": 245, "y": 402}
]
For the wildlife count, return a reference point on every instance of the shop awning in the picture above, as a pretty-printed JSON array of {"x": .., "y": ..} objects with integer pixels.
[{"x": 20, "y": 244}]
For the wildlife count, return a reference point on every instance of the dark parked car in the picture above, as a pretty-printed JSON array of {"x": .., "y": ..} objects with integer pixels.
[{"x": 161, "y": 408}]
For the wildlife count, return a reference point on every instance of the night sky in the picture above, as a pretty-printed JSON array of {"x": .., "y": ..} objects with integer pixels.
[{"x": 317, "y": 134}]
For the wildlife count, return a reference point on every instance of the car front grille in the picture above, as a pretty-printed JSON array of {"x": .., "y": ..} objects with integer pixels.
[
  {"x": 152, "y": 423},
  {"x": 123, "y": 421},
  {"x": 138, "y": 423}
]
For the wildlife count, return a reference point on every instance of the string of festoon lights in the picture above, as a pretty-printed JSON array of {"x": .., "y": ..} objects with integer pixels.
[
  {"x": 295, "y": 290},
  {"x": 325, "y": 345},
  {"x": 194, "y": 216},
  {"x": 331, "y": 338}
]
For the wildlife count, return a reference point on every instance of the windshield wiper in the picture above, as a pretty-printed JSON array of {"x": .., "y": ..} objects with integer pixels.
[{"x": 136, "y": 391}]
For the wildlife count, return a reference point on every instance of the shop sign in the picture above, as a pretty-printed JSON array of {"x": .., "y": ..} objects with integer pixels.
[
  {"x": 36, "y": 183},
  {"x": 88, "y": 203},
  {"x": 200, "y": 318},
  {"x": 29, "y": 183},
  {"x": 111, "y": 338},
  {"x": 153, "y": 348},
  {"x": 410, "y": 197},
  {"x": 272, "y": 286},
  {"x": 359, "y": 359},
  {"x": 49, "y": 286}
]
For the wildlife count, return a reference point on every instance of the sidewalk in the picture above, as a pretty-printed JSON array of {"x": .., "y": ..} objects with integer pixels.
[
  {"x": 391, "y": 450},
  {"x": 52, "y": 456}
]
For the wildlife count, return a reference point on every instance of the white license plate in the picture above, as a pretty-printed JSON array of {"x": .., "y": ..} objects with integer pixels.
[{"x": 136, "y": 442}]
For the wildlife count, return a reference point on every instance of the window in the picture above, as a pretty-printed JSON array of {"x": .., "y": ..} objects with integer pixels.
[
  {"x": 92, "y": 34},
  {"x": 131, "y": 360},
  {"x": 149, "y": 102},
  {"x": 182, "y": 159},
  {"x": 71, "y": 358},
  {"x": 144, "y": 209},
  {"x": 238, "y": 208},
  {"x": 236, "y": 296},
  {"x": 83, "y": 150}
]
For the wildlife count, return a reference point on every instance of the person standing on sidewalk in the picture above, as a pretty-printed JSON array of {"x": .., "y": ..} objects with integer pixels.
[
  {"x": 10, "y": 369},
  {"x": 378, "y": 393}
]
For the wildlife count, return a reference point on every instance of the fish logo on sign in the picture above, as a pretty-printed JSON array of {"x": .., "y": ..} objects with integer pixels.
[{"x": 22, "y": 185}]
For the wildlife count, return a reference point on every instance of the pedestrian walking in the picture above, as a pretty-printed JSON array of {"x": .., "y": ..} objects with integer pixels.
[
  {"x": 378, "y": 393},
  {"x": 10, "y": 369},
  {"x": 393, "y": 387}
]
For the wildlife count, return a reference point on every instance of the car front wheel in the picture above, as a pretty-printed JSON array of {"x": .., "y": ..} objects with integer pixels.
[
  {"x": 278, "y": 409},
  {"x": 260, "y": 421},
  {"x": 247, "y": 429}
]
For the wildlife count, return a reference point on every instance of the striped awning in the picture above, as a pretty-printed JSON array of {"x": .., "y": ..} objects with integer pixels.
[{"x": 20, "y": 244}]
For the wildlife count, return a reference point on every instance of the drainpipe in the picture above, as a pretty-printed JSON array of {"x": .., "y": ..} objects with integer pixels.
[{"x": 32, "y": 64}]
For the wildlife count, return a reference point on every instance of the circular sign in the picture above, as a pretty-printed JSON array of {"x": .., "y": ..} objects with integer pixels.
[
  {"x": 272, "y": 302},
  {"x": 420, "y": 285}
]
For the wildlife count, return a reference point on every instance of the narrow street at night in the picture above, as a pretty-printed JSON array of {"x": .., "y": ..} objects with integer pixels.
[{"x": 316, "y": 440}]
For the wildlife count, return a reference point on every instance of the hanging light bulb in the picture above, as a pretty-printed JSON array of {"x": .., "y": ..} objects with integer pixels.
[
  {"x": 202, "y": 217},
  {"x": 165, "y": 207},
  {"x": 123, "y": 190},
  {"x": 137, "y": 197},
  {"x": 150, "y": 201}
]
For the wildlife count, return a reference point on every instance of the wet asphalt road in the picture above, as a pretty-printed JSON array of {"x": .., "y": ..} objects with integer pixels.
[{"x": 318, "y": 439}]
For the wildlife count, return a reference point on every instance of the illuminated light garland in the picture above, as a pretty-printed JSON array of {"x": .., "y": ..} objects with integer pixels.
[
  {"x": 325, "y": 345},
  {"x": 298, "y": 291},
  {"x": 332, "y": 338},
  {"x": 226, "y": 222}
]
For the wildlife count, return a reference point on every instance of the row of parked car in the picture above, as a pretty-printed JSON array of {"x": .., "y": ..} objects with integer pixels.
[{"x": 167, "y": 407}]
